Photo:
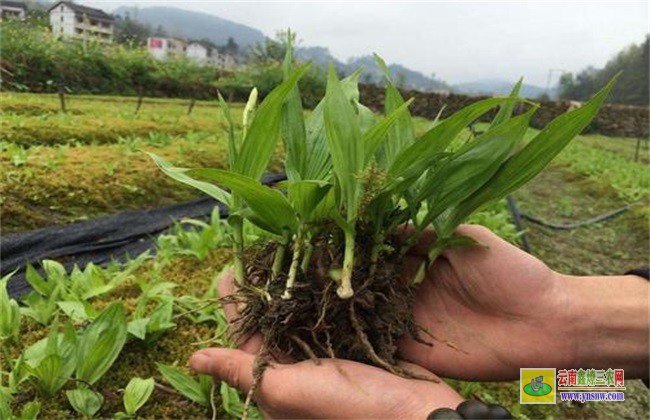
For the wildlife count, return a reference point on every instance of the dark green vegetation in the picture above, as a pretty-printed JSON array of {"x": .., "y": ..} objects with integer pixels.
[
  {"x": 58, "y": 184},
  {"x": 33, "y": 60},
  {"x": 632, "y": 87}
]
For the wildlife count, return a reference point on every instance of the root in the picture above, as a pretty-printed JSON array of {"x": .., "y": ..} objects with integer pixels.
[
  {"x": 260, "y": 364},
  {"x": 367, "y": 346},
  {"x": 330, "y": 350},
  {"x": 324, "y": 304},
  {"x": 305, "y": 348},
  {"x": 316, "y": 323}
]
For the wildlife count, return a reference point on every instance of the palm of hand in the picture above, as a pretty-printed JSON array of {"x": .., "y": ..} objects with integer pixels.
[{"x": 487, "y": 307}]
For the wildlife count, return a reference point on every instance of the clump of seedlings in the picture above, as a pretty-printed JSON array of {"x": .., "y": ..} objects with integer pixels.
[{"x": 329, "y": 284}]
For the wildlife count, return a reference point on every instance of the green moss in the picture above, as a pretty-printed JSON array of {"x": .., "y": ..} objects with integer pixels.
[{"x": 30, "y": 119}]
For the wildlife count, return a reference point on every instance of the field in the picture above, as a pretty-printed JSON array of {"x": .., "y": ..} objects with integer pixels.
[{"x": 60, "y": 168}]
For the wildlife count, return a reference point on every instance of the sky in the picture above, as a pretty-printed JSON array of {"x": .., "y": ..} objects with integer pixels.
[{"x": 459, "y": 41}]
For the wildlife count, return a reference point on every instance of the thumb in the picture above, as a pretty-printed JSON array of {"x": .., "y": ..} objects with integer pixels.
[{"x": 235, "y": 367}]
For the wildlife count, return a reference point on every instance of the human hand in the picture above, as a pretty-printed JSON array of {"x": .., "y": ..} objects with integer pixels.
[
  {"x": 334, "y": 388},
  {"x": 492, "y": 309}
]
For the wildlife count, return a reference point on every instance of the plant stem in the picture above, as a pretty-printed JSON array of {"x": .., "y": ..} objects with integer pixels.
[
  {"x": 278, "y": 260},
  {"x": 293, "y": 269},
  {"x": 345, "y": 288},
  {"x": 238, "y": 249},
  {"x": 306, "y": 258}
]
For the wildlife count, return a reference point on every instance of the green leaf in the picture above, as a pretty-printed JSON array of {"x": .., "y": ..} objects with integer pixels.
[
  {"x": 262, "y": 135},
  {"x": 472, "y": 165},
  {"x": 180, "y": 175},
  {"x": 9, "y": 313},
  {"x": 37, "y": 282},
  {"x": 101, "y": 343},
  {"x": 344, "y": 141},
  {"x": 85, "y": 401},
  {"x": 505, "y": 110},
  {"x": 65, "y": 345},
  {"x": 19, "y": 373},
  {"x": 76, "y": 311},
  {"x": 138, "y": 327},
  {"x": 318, "y": 157},
  {"x": 305, "y": 196},
  {"x": 185, "y": 384},
  {"x": 136, "y": 394},
  {"x": 272, "y": 211},
  {"x": 376, "y": 136},
  {"x": 160, "y": 319},
  {"x": 415, "y": 159},
  {"x": 402, "y": 133},
  {"x": 49, "y": 374},
  {"x": 30, "y": 410},
  {"x": 529, "y": 161},
  {"x": 233, "y": 147},
  {"x": 51, "y": 360},
  {"x": 293, "y": 125}
]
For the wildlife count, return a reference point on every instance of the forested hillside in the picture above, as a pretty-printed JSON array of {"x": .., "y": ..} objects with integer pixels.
[{"x": 632, "y": 87}]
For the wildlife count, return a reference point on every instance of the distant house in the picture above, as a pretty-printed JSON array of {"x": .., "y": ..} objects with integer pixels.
[
  {"x": 12, "y": 10},
  {"x": 198, "y": 51},
  {"x": 70, "y": 20},
  {"x": 207, "y": 53},
  {"x": 161, "y": 48}
]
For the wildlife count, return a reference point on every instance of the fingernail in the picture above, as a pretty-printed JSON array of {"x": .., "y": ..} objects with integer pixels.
[{"x": 201, "y": 362}]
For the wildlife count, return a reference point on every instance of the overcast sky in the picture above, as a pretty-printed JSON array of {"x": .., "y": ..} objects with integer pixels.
[{"x": 459, "y": 41}]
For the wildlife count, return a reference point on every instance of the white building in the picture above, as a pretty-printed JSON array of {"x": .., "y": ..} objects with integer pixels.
[
  {"x": 12, "y": 10},
  {"x": 161, "y": 48},
  {"x": 71, "y": 20},
  {"x": 209, "y": 55},
  {"x": 197, "y": 51}
]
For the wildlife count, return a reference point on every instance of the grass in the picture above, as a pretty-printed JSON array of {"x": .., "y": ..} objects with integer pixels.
[{"x": 45, "y": 185}]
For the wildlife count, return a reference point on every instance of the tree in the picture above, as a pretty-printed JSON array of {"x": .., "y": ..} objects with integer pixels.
[
  {"x": 129, "y": 31},
  {"x": 632, "y": 86},
  {"x": 231, "y": 47}
]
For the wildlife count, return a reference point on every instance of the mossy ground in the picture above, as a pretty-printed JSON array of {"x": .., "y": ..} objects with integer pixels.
[
  {"x": 30, "y": 120},
  {"x": 62, "y": 185}
]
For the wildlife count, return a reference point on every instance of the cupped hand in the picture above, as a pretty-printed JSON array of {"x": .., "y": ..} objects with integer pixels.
[
  {"x": 492, "y": 309},
  {"x": 333, "y": 388}
]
